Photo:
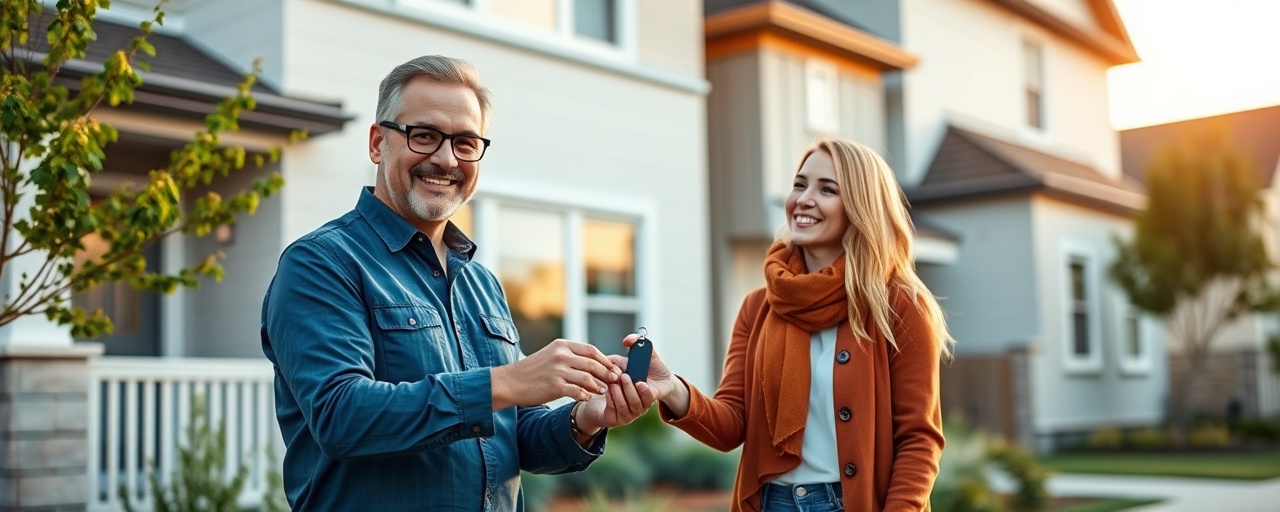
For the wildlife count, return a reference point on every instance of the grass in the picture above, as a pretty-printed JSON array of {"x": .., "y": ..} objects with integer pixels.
[
  {"x": 1237, "y": 465},
  {"x": 1108, "y": 505}
]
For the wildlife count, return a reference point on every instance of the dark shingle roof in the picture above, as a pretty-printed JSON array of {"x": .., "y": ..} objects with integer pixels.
[
  {"x": 816, "y": 6},
  {"x": 185, "y": 81},
  {"x": 1255, "y": 132},
  {"x": 968, "y": 164}
]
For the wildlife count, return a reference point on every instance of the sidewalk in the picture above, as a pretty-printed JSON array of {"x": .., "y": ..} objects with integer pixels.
[{"x": 1179, "y": 494}]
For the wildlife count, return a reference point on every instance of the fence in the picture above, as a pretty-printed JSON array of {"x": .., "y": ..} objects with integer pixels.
[{"x": 139, "y": 409}]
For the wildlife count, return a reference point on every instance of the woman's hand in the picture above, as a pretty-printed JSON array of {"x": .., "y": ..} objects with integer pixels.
[{"x": 666, "y": 387}]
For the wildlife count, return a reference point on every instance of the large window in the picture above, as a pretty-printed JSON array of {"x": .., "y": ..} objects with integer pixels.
[
  {"x": 1033, "y": 83},
  {"x": 1135, "y": 358},
  {"x": 822, "y": 96},
  {"x": 567, "y": 272}
]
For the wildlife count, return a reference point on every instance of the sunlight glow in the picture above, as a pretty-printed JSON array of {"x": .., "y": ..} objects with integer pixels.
[{"x": 1199, "y": 58}]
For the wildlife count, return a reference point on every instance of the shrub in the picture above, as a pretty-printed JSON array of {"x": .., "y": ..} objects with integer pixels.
[
  {"x": 1259, "y": 429},
  {"x": 616, "y": 473},
  {"x": 1148, "y": 438},
  {"x": 1210, "y": 435},
  {"x": 1031, "y": 496},
  {"x": 538, "y": 490},
  {"x": 962, "y": 485},
  {"x": 703, "y": 468},
  {"x": 1106, "y": 438},
  {"x": 198, "y": 483}
]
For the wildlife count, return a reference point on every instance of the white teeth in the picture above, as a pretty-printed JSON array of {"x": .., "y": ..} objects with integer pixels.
[
  {"x": 438, "y": 181},
  {"x": 805, "y": 220}
]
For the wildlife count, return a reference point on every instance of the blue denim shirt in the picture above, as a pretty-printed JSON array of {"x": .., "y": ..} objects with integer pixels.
[{"x": 382, "y": 374}]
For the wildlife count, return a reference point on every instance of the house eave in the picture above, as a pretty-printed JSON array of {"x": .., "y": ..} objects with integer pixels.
[
  {"x": 1116, "y": 49},
  {"x": 801, "y": 25}
]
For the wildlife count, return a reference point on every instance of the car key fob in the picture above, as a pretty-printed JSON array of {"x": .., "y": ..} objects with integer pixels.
[{"x": 638, "y": 358}]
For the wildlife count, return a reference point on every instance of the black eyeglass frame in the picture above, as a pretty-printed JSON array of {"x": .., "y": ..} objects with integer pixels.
[{"x": 407, "y": 129}]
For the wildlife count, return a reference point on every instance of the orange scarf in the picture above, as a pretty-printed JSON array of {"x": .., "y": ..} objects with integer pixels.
[{"x": 800, "y": 303}]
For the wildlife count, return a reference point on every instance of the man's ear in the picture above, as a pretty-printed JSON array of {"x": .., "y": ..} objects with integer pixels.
[{"x": 375, "y": 143}]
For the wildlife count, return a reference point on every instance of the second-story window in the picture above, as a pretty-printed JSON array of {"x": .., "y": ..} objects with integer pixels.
[
  {"x": 822, "y": 96},
  {"x": 594, "y": 19},
  {"x": 1033, "y": 83}
]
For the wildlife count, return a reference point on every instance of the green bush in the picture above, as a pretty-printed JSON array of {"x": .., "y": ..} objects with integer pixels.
[
  {"x": 1210, "y": 435},
  {"x": 1148, "y": 438},
  {"x": 700, "y": 467},
  {"x": 1259, "y": 429},
  {"x": 1106, "y": 438},
  {"x": 1031, "y": 496},
  {"x": 617, "y": 473},
  {"x": 961, "y": 485},
  {"x": 538, "y": 490}
]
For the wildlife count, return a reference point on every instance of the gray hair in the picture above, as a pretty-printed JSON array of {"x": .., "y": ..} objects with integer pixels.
[{"x": 439, "y": 69}]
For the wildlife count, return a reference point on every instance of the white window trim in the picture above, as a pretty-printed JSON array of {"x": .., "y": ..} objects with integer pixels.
[
  {"x": 1092, "y": 363},
  {"x": 1129, "y": 365},
  {"x": 578, "y": 204},
  {"x": 622, "y": 58},
  {"x": 819, "y": 121}
]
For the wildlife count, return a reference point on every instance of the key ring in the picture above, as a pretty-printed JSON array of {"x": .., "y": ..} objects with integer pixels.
[{"x": 644, "y": 333}]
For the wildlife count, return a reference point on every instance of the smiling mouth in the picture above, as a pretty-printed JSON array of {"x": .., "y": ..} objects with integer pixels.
[
  {"x": 804, "y": 221},
  {"x": 438, "y": 181}
]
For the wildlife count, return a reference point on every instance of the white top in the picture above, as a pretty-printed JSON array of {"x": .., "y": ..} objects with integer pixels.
[{"x": 819, "y": 462}]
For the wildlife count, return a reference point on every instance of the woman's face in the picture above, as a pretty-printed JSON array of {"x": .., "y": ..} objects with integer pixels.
[{"x": 815, "y": 211}]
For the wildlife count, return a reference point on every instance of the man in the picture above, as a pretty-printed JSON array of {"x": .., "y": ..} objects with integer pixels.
[{"x": 397, "y": 380}]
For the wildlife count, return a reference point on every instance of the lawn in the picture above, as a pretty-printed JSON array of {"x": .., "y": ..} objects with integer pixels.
[
  {"x": 1106, "y": 505},
  {"x": 1241, "y": 466}
]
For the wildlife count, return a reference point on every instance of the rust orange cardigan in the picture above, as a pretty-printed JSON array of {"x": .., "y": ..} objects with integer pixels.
[{"x": 888, "y": 450}]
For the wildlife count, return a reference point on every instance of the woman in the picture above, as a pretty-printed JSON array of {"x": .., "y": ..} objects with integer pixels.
[{"x": 831, "y": 379}]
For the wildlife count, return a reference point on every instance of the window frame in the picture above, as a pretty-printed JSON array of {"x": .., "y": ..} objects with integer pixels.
[
  {"x": 1090, "y": 363},
  {"x": 1130, "y": 364},
  {"x": 1026, "y": 87},
  {"x": 575, "y": 207},
  {"x": 817, "y": 119}
]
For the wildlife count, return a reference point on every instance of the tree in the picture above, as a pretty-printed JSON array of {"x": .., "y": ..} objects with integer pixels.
[
  {"x": 1197, "y": 258},
  {"x": 51, "y": 146}
]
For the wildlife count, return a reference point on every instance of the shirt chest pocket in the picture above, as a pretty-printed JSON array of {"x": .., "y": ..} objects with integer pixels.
[
  {"x": 503, "y": 343},
  {"x": 413, "y": 343}
]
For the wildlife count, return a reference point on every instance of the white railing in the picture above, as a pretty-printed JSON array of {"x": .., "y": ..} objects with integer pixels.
[{"x": 139, "y": 408}]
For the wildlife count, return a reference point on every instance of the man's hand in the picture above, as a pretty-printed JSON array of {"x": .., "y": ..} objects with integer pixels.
[
  {"x": 562, "y": 368},
  {"x": 623, "y": 403}
]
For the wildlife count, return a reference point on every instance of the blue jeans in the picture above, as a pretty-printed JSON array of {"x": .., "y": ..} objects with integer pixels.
[{"x": 801, "y": 498}]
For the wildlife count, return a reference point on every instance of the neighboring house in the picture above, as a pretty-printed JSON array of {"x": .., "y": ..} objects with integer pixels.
[
  {"x": 591, "y": 207},
  {"x": 994, "y": 115},
  {"x": 1241, "y": 380}
]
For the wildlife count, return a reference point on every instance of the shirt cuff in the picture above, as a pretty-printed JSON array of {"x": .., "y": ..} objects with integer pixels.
[
  {"x": 574, "y": 453},
  {"x": 474, "y": 392}
]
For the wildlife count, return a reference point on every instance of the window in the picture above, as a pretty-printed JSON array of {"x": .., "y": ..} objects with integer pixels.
[
  {"x": 597, "y": 21},
  {"x": 822, "y": 96},
  {"x": 1083, "y": 333},
  {"x": 1134, "y": 354},
  {"x": 567, "y": 272},
  {"x": 1033, "y": 83}
]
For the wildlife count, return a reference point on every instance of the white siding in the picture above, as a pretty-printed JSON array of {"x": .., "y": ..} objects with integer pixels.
[
  {"x": 579, "y": 130},
  {"x": 1076, "y": 12},
  {"x": 1065, "y": 400},
  {"x": 974, "y": 76},
  {"x": 670, "y": 34}
]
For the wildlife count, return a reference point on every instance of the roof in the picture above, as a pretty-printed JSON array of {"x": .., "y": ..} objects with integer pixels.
[
  {"x": 184, "y": 81},
  {"x": 968, "y": 165},
  {"x": 817, "y": 6},
  {"x": 1255, "y": 132},
  {"x": 794, "y": 22},
  {"x": 1108, "y": 39}
]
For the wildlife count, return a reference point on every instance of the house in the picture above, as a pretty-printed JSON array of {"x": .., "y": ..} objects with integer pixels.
[
  {"x": 994, "y": 116},
  {"x": 1241, "y": 381},
  {"x": 590, "y": 209}
]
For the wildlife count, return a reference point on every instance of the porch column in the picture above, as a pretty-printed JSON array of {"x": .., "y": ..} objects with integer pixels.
[{"x": 44, "y": 424}]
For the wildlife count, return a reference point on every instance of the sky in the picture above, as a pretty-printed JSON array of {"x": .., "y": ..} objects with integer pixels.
[{"x": 1199, "y": 58}]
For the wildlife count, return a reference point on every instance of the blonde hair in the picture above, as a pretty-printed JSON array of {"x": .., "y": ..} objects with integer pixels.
[{"x": 879, "y": 244}]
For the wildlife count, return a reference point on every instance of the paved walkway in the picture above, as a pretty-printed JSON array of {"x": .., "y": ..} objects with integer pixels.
[{"x": 1179, "y": 494}]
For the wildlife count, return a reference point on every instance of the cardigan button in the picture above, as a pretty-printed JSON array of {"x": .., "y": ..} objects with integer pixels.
[
  {"x": 850, "y": 470},
  {"x": 842, "y": 357},
  {"x": 845, "y": 414}
]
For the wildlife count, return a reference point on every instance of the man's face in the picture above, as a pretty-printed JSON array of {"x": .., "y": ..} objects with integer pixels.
[{"x": 426, "y": 189}]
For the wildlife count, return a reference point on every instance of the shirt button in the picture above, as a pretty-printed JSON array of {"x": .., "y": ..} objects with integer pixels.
[
  {"x": 412, "y": 321},
  {"x": 845, "y": 414},
  {"x": 436, "y": 273},
  {"x": 475, "y": 428},
  {"x": 850, "y": 470},
  {"x": 842, "y": 357},
  {"x": 419, "y": 239}
]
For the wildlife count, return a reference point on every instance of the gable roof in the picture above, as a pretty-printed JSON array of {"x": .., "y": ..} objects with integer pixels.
[
  {"x": 968, "y": 165},
  {"x": 817, "y": 6},
  {"x": 186, "y": 82},
  {"x": 1255, "y": 132},
  {"x": 1109, "y": 39}
]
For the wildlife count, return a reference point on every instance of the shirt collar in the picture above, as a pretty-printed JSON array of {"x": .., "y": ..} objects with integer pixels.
[{"x": 397, "y": 232}]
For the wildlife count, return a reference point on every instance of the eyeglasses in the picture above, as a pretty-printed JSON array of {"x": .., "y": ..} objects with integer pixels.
[{"x": 426, "y": 140}]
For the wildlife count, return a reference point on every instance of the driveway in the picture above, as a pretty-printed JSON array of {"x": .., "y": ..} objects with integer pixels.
[{"x": 1180, "y": 494}]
